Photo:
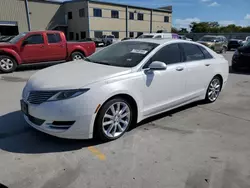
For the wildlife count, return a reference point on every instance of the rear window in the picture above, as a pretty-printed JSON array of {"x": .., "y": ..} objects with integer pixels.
[
  {"x": 192, "y": 52},
  {"x": 54, "y": 38},
  {"x": 146, "y": 36}
]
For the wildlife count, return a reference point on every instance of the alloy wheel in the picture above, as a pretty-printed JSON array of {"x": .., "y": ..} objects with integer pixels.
[
  {"x": 116, "y": 119},
  {"x": 6, "y": 64},
  {"x": 77, "y": 57},
  {"x": 214, "y": 89}
]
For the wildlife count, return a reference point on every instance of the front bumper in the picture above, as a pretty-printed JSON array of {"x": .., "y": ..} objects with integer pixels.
[{"x": 80, "y": 114}]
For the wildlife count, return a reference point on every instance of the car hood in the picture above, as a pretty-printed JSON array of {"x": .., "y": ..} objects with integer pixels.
[
  {"x": 5, "y": 45},
  {"x": 73, "y": 75}
]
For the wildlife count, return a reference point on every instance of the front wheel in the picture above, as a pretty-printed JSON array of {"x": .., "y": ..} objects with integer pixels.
[
  {"x": 77, "y": 56},
  {"x": 213, "y": 90},
  {"x": 113, "y": 119},
  {"x": 7, "y": 64}
]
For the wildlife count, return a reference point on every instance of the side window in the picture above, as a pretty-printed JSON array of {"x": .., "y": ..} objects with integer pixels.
[
  {"x": 192, "y": 52},
  {"x": 53, "y": 38},
  {"x": 169, "y": 54},
  {"x": 35, "y": 39},
  {"x": 206, "y": 53},
  {"x": 158, "y": 36}
]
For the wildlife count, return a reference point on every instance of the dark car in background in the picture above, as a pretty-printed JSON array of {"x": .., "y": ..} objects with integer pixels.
[
  {"x": 126, "y": 38},
  {"x": 234, "y": 44},
  {"x": 6, "y": 38},
  {"x": 98, "y": 42},
  {"x": 241, "y": 57}
]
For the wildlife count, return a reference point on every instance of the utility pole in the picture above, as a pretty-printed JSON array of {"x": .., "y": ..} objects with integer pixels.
[{"x": 27, "y": 14}]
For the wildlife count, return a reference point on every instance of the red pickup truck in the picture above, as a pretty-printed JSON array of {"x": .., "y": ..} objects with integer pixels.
[{"x": 41, "y": 47}]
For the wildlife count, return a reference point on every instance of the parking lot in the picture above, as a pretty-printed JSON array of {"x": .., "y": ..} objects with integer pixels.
[{"x": 196, "y": 146}]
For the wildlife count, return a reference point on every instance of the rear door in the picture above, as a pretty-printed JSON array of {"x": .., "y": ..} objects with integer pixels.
[
  {"x": 57, "y": 49},
  {"x": 199, "y": 65},
  {"x": 34, "y": 49}
]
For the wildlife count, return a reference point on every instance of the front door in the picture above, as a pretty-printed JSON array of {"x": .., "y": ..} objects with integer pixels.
[
  {"x": 33, "y": 50},
  {"x": 164, "y": 89}
]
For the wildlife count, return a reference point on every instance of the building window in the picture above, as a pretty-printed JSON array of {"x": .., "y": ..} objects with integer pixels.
[
  {"x": 139, "y": 34},
  {"x": 97, "y": 12},
  {"x": 166, "y": 18},
  {"x": 70, "y": 15},
  {"x": 116, "y": 34},
  {"x": 98, "y": 34},
  {"x": 131, "y": 16},
  {"x": 71, "y": 35},
  {"x": 83, "y": 34},
  {"x": 77, "y": 36},
  {"x": 140, "y": 16},
  {"x": 54, "y": 38},
  {"x": 114, "y": 14},
  {"x": 82, "y": 12},
  {"x": 131, "y": 34}
]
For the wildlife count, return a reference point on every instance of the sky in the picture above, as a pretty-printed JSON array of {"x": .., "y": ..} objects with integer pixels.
[{"x": 186, "y": 11}]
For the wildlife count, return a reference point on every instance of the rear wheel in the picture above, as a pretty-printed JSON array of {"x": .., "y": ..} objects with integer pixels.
[
  {"x": 77, "y": 56},
  {"x": 113, "y": 119},
  {"x": 214, "y": 89},
  {"x": 7, "y": 64}
]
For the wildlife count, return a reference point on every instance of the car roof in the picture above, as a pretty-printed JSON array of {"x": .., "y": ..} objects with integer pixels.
[{"x": 160, "y": 40}]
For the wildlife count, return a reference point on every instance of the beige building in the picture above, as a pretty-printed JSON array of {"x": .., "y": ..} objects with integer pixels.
[{"x": 82, "y": 18}]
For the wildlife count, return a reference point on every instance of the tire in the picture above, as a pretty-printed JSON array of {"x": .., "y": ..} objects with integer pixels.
[
  {"x": 108, "y": 43},
  {"x": 7, "y": 64},
  {"x": 213, "y": 90},
  {"x": 111, "y": 126},
  {"x": 235, "y": 68},
  {"x": 224, "y": 50},
  {"x": 77, "y": 56}
]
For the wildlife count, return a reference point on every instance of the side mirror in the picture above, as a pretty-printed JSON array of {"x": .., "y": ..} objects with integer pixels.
[
  {"x": 157, "y": 65},
  {"x": 25, "y": 42}
]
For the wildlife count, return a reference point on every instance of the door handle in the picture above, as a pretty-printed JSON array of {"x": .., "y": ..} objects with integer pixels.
[
  {"x": 207, "y": 65},
  {"x": 179, "y": 68}
]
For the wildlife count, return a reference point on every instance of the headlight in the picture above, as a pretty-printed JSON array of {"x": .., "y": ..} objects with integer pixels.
[{"x": 66, "y": 94}]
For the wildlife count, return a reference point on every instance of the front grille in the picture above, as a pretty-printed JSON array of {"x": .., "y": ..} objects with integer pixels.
[{"x": 38, "y": 97}]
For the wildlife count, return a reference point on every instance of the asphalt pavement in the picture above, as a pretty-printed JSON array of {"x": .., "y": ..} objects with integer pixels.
[{"x": 196, "y": 146}]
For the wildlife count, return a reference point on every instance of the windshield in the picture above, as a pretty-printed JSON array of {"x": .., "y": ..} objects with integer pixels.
[
  {"x": 146, "y": 36},
  {"x": 123, "y": 54},
  {"x": 207, "y": 39},
  {"x": 17, "y": 38}
]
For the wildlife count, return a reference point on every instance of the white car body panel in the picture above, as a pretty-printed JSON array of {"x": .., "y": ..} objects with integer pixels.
[{"x": 154, "y": 92}]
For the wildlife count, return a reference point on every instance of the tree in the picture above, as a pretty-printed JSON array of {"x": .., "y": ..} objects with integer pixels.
[
  {"x": 214, "y": 27},
  {"x": 174, "y": 30},
  {"x": 183, "y": 30}
]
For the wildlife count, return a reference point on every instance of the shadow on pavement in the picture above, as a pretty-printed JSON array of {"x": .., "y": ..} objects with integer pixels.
[
  {"x": 168, "y": 113},
  {"x": 16, "y": 136},
  {"x": 34, "y": 67},
  {"x": 242, "y": 71}
]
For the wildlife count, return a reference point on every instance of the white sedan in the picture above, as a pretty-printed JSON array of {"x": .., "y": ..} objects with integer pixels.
[{"x": 121, "y": 85}]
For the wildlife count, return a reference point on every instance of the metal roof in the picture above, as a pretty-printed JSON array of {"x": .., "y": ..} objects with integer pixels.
[{"x": 121, "y": 5}]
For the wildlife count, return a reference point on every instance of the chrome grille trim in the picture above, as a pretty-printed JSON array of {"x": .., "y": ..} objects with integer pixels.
[{"x": 38, "y": 97}]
